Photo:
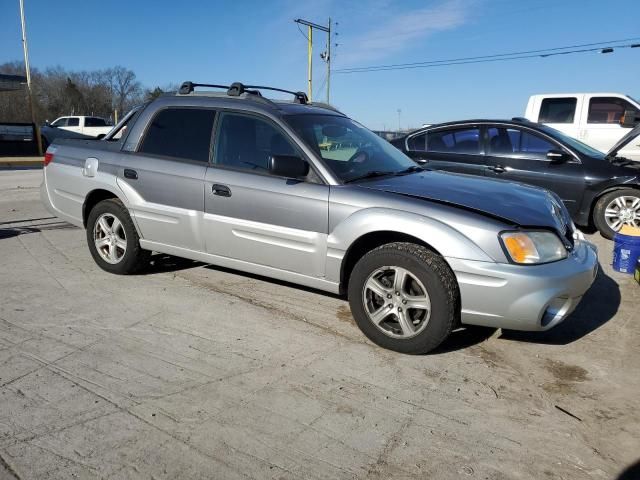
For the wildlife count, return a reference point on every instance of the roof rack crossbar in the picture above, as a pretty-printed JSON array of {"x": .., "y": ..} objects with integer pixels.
[{"x": 236, "y": 89}]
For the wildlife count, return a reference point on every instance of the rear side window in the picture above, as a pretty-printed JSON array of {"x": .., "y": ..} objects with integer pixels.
[
  {"x": 94, "y": 122},
  {"x": 558, "y": 110},
  {"x": 465, "y": 140},
  {"x": 608, "y": 109},
  {"x": 73, "y": 122},
  {"x": 183, "y": 133}
]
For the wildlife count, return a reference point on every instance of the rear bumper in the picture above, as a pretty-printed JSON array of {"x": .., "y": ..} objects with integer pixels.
[{"x": 518, "y": 297}]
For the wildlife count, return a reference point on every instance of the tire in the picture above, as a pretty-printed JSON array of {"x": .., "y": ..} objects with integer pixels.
[
  {"x": 605, "y": 214},
  {"x": 115, "y": 250},
  {"x": 429, "y": 283}
]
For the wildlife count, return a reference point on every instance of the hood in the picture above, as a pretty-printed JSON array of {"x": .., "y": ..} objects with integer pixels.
[
  {"x": 624, "y": 141},
  {"x": 514, "y": 203}
]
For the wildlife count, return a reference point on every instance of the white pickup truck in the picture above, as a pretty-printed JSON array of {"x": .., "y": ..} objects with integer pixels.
[
  {"x": 89, "y": 126},
  {"x": 597, "y": 119}
]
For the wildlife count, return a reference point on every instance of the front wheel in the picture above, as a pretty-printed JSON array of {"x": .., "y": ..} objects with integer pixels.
[
  {"x": 404, "y": 297},
  {"x": 113, "y": 239},
  {"x": 615, "y": 209}
]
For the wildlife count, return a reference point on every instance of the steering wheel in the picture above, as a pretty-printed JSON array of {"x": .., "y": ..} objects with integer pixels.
[{"x": 360, "y": 156}]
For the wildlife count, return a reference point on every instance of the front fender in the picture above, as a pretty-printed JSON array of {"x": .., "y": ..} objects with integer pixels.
[{"x": 443, "y": 238}]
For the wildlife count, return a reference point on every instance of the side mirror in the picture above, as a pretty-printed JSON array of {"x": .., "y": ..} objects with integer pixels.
[
  {"x": 629, "y": 119},
  {"x": 288, "y": 166},
  {"x": 557, "y": 156}
]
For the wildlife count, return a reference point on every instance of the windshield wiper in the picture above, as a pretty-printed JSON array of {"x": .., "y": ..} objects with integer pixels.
[
  {"x": 370, "y": 174},
  {"x": 618, "y": 160},
  {"x": 413, "y": 168}
]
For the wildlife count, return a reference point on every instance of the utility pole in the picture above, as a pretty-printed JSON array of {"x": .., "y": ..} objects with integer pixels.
[
  {"x": 26, "y": 66},
  {"x": 311, "y": 26}
]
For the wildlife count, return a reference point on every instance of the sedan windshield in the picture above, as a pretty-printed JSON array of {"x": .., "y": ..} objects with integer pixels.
[
  {"x": 350, "y": 150},
  {"x": 582, "y": 148}
]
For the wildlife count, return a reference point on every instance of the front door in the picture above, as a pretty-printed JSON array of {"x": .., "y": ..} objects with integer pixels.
[
  {"x": 256, "y": 217},
  {"x": 603, "y": 129},
  {"x": 521, "y": 155}
]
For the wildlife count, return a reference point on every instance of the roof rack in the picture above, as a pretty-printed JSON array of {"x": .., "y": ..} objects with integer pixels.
[
  {"x": 236, "y": 89},
  {"x": 520, "y": 119}
]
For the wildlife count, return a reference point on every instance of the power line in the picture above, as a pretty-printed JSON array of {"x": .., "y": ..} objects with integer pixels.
[{"x": 548, "y": 52}]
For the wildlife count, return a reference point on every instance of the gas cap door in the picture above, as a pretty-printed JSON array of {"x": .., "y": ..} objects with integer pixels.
[{"x": 90, "y": 167}]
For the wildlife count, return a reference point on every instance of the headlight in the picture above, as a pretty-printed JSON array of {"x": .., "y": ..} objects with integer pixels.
[{"x": 533, "y": 247}]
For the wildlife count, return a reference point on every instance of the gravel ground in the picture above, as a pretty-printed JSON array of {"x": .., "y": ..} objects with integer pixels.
[{"x": 191, "y": 371}]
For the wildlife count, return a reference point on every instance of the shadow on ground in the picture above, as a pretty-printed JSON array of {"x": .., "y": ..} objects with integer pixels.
[
  {"x": 599, "y": 305},
  {"x": 162, "y": 263},
  {"x": 23, "y": 227},
  {"x": 631, "y": 473}
]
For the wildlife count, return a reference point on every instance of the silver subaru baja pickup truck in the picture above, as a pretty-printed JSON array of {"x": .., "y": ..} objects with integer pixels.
[{"x": 297, "y": 191}]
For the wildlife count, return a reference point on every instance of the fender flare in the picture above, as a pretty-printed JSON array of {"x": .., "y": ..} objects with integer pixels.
[{"x": 443, "y": 238}]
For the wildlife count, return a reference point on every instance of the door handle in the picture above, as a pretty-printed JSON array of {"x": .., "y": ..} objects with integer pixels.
[
  {"x": 498, "y": 169},
  {"x": 220, "y": 190},
  {"x": 129, "y": 173}
]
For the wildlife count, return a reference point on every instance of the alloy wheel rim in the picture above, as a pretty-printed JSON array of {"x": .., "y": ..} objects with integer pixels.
[
  {"x": 623, "y": 210},
  {"x": 110, "y": 238},
  {"x": 396, "y": 302}
]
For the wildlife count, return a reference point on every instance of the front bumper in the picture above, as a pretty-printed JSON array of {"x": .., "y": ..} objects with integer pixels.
[{"x": 519, "y": 297}]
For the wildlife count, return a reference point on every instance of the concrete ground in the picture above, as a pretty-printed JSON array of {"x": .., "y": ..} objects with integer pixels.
[
  {"x": 6, "y": 162},
  {"x": 191, "y": 371}
]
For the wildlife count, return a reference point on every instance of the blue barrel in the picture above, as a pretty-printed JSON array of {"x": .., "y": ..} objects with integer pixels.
[{"x": 626, "y": 252}]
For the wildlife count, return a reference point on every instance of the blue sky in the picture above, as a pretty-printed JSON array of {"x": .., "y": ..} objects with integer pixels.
[{"x": 257, "y": 42}]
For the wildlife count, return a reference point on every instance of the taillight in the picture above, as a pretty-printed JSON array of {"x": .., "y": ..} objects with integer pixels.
[{"x": 48, "y": 156}]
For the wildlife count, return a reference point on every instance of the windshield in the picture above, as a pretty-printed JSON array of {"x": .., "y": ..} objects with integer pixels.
[
  {"x": 573, "y": 143},
  {"x": 351, "y": 151}
]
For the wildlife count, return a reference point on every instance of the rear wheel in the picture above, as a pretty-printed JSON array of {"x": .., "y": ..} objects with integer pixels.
[
  {"x": 615, "y": 209},
  {"x": 113, "y": 239},
  {"x": 404, "y": 297}
]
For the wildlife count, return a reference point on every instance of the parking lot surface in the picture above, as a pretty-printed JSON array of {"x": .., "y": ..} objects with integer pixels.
[{"x": 191, "y": 371}]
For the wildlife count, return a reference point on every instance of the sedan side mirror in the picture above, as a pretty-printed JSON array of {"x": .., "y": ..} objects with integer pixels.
[
  {"x": 629, "y": 119},
  {"x": 557, "y": 156},
  {"x": 288, "y": 166}
]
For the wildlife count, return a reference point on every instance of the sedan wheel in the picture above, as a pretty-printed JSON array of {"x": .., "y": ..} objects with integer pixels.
[
  {"x": 616, "y": 209},
  {"x": 623, "y": 210}
]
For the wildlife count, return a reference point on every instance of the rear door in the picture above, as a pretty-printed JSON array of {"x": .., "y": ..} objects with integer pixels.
[
  {"x": 254, "y": 216},
  {"x": 454, "y": 149},
  {"x": 562, "y": 113},
  {"x": 164, "y": 178},
  {"x": 520, "y": 154}
]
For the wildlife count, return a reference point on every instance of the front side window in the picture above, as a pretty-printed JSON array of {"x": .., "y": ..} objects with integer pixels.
[
  {"x": 608, "y": 109},
  {"x": 183, "y": 133},
  {"x": 246, "y": 142},
  {"x": 517, "y": 143},
  {"x": 461, "y": 140},
  {"x": 61, "y": 122},
  {"x": 418, "y": 143},
  {"x": 73, "y": 122},
  {"x": 348, "y": 149},
  {"x": 558, "y": 110}
]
